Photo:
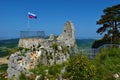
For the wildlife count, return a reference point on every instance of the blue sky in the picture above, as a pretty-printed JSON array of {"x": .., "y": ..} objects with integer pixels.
[{"x": 51, "y": 16}]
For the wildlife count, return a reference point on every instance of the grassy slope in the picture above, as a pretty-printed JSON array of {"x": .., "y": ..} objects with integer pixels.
[{"x": 108, "y": 64}]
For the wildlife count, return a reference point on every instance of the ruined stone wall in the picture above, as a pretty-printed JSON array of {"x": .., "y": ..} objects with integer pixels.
[
  {"x": 68, "y": 34},
  {"x": 67, "y": 37},
  {"x": 29, "y": 42},
  {"x": 47, "y": 51}
]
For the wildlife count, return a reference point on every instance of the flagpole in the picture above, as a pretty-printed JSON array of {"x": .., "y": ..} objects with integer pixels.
[
  {"x": 30, "y": 15},
  {"x": 28, "y": 24}
]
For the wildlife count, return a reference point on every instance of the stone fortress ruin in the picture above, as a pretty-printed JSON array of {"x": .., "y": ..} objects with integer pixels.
[
  {"x": 39, "y": 50},
  {"x": 66, "y": 37}
]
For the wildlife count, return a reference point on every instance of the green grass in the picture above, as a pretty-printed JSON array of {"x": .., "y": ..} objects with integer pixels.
[{"x": 108, "y": 63}]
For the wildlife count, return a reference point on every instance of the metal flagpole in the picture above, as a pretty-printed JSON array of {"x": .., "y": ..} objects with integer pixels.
[{"x": 28, "y": 24}]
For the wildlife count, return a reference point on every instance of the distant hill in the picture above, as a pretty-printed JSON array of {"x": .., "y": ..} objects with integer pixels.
[
  {"x": 84, "y": 43},
  {"x": 6, "y": 45},
  {"x": 10, "y": 43}
]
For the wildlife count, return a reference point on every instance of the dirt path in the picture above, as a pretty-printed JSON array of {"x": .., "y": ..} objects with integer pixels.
[{"x": 4, "y": 60}]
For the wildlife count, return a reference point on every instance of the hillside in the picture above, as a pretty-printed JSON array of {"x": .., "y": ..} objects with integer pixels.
[
  {"x": 10, "y": 43},
  {"x": 7, "y": 45},
  {"x": 84, "y": 43}
]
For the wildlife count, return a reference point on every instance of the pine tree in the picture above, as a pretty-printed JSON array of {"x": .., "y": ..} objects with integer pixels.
[{"x": 110, "y": 22}]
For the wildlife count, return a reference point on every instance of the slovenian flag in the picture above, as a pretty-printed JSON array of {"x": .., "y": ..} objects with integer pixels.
[{"x": 31, "y": 15}]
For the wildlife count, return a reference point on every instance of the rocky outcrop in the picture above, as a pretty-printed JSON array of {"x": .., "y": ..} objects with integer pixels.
[
  {"x": 46, "y": 51},
  {"x": 25, "y": 60}
]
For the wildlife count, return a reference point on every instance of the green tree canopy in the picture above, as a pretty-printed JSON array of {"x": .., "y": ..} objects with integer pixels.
[{"x": 110, "y": 22}]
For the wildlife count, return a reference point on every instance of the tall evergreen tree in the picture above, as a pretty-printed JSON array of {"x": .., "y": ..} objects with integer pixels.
[{"x": 110, "y": 22}]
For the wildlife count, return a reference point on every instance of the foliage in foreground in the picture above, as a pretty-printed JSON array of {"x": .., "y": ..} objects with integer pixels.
[
  {"x": 80, "y": 68},
  {"x": 22, "y": 77},
  {"x": 51, "y": 72},
  {"x": 108, "y": 64}
]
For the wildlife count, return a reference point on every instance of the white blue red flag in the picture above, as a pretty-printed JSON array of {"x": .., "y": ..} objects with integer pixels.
[{"x": 31, "y": 15}]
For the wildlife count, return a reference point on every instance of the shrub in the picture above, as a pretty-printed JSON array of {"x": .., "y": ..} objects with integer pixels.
[
  {"x": 39, "y": 69},
  {"x": 65, "y": 49},
  {"x": 55, "y": 46},
  {"x": 80, "y": 68},
  {"x": 55, "y": 70},
  {"x": 22, "y": 77}
]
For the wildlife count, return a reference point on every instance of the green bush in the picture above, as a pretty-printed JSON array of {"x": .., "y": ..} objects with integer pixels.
[
  {"x": 54, "y": 70},
  {"x": 40, "y": 70},
  {"x": 108, "y": 63},
  {"x": 65, "y": 49},
  {"x": 22, "y": 77},
  {"x": 55, "y": 46},
  {"x": 80, "y": 68}
]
